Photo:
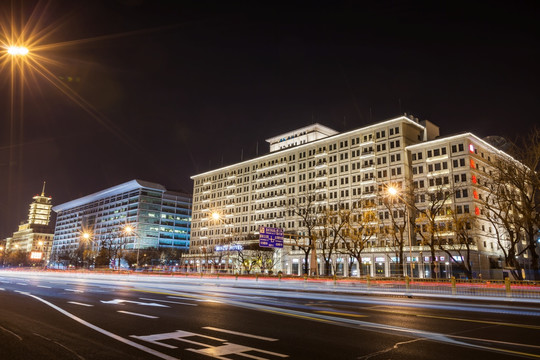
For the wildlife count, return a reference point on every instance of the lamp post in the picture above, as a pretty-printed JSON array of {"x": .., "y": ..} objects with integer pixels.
[
  {"x": 393, "y": 192},
  {"x": 40, "y": 248},
  {"x": 216, "y": 216},
  {"x": 129, "y": 231},
  {"x": 16, "y": 55},
  {"x": 87, "y": 237}
]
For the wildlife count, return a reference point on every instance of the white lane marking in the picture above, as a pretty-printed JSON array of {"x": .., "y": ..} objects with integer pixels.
[
  {"x": 2, "y": 289},
  {"x": 5, "y": 282},
  {"x": 169, "y": 302},
  {"x": 105, "y": 332},
  {"x": 73, "y": 290},
  {"x": 137, "y": 314},
  {"x": 78, "y": 303},
  {"x": 23, "y": 284},
  {"x": 120, "y": 301},
  {"x": 22, "y": 292},
  {"x": 43, "y": 286},
  {"x": 239, "y": 333},
  {"x": 190, "y": 304}
]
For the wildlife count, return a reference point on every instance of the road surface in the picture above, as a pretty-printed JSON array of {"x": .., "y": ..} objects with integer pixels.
[{"x": 87, "y": 316}]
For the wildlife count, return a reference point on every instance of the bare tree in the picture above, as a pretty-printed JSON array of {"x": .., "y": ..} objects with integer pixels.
[
  {"x": 304, "y": 207},
  {"x": 361, "y": 228},
  {"x": 332, "y": 224},
  {"x": 462, "y": 225},
  {"x": 432, "y": 204},
  {"x": 500, "y": 210},
  {"x": 515, "y": 199}
]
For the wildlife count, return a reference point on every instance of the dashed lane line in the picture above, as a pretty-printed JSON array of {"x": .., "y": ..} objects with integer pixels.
[
  {"x": 137, "y": 314},
  {"x": 168, "y": 301},
  {"x": 81, "y": 304}
]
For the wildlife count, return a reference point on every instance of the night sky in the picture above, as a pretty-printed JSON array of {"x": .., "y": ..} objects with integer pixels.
[{"x": 169, "y": 89}]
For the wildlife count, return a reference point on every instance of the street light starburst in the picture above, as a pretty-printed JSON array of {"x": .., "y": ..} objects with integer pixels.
[{"x": 27, "y": 51}]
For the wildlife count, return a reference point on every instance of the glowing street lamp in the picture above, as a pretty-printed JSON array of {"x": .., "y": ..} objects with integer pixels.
[
  {"x": 394, "y": 192},
  {"x": 128, "y": 230},
  {"x": 17, "y": 50},
  {"x": 88, "y": 237},
  {"x": 216, "y": 216}
]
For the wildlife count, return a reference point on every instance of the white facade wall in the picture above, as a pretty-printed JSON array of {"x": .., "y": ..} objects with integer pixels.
[{"x": 341, "y": 170}]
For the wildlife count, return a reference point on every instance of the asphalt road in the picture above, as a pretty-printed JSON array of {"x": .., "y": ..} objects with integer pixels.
[{"x": 74, "y": 316}]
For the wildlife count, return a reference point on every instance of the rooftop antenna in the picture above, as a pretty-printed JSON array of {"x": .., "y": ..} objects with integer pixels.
[
  {"x": 43, "y": 190},
  {"x": 221, "y": 159},
  {"x": 257, "y": 149},
  {"x": 242, "y": 155},
  {"x": 370, "y": 115}
]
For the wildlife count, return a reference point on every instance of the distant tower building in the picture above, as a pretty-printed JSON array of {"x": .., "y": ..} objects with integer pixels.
[
  {"x": 35, "y": 236},
  {"x": 40, "y": 209}
]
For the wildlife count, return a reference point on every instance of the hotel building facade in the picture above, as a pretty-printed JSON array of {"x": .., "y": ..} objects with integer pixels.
[
  {"x": 349, "y": 170},
  {"x": 159, "y": 218}
]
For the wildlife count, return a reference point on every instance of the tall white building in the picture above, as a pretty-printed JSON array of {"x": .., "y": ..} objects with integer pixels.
[
  {"x": 160, "y": 218},
  {"x": 351, "y": 171}
]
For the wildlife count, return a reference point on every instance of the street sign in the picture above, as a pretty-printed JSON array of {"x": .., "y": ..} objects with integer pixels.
[{"x": 270, "y": 237}]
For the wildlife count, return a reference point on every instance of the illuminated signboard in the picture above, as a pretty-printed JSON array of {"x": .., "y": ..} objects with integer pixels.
[
  {"x": 233, "y": 247},
  {"x": 270, "y": 237},
  {"x": 36, "y": 255}
]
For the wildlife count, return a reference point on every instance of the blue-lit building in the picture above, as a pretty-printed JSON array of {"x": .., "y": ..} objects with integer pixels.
[{"x": 156, "y": 217}]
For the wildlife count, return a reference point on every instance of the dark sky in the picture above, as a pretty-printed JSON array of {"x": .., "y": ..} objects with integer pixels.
[{"x": 174, "y": 88}]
